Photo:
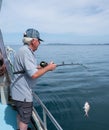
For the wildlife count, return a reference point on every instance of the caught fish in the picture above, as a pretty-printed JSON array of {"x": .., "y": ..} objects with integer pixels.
[{"x": 86, "y": 108}]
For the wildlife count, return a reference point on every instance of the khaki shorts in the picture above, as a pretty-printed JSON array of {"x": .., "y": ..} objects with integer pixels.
[{"x": 24, "y": 110}]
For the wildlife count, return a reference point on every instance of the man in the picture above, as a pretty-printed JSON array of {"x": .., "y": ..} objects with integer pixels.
[{"x": 25, "y": 74}]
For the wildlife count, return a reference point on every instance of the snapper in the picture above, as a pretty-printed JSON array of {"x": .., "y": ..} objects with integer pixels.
[{"x": 86, "y": 108}]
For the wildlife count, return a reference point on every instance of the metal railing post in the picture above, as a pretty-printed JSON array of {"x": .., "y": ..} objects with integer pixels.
[{"x": 44, "y": 119}]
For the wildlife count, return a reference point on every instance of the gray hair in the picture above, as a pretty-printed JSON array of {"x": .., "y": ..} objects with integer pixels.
[{"x": 27, "y": 40}]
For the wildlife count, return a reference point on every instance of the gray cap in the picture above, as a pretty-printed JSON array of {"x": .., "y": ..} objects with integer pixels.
[{"x": 32, "y": 33}]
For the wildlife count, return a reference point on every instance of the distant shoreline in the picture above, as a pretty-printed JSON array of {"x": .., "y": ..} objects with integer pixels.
[
  {"x": 71, "y": 44},
  {"x": 75, "y": 44}
]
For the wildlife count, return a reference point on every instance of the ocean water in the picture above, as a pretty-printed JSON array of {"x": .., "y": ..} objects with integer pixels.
[{"x": 65, "y": 90}]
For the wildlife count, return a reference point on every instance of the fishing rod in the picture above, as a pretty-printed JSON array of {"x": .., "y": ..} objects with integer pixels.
[{"x": 44, "y": 64}]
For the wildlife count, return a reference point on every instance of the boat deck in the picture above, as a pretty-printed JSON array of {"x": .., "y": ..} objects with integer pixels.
[{"x": 7, "y": 118}]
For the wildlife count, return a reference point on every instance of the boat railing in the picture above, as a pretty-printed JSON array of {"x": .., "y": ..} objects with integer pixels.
[{"x": 45, "y": 113}]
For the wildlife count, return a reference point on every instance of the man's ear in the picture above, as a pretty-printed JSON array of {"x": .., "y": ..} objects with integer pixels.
[{"x": 32, "y": 41}]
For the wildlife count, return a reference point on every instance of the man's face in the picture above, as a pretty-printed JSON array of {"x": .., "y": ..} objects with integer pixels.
[{"x": 35, "y": 44}]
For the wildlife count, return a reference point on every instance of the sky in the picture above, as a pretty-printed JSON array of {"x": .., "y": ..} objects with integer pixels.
[{"x": 58, "y": 21}]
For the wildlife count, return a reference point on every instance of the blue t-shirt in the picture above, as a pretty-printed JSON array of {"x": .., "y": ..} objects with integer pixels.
[{"x": 21, "y": 86}]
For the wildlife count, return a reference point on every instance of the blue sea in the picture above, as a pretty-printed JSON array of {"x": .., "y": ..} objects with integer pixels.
[{"x": 65, "y": 90}]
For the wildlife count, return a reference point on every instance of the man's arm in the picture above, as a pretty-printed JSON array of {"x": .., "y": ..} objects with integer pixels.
[{"x": 42, "y": 71}]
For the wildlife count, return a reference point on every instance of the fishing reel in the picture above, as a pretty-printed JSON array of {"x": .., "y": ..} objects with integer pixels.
[{"x": 43, "y": 64}]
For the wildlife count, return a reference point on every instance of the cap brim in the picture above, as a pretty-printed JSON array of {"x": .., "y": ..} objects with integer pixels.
[{"x": 40, "y": 40}]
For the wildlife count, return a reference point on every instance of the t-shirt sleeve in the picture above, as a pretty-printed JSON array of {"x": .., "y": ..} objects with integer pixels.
[{"x": 30, "y": 64}]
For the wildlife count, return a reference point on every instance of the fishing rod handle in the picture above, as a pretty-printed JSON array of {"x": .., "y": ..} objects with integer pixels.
[{"x": 44, "y": 64}]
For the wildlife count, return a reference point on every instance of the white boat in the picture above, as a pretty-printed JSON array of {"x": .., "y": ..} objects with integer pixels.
[{"x": 7, "y": 110}]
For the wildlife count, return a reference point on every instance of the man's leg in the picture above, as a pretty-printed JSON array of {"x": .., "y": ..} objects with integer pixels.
[
  {"x": 21, "y": 125},
  {"x": 24, "y": 110}
]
